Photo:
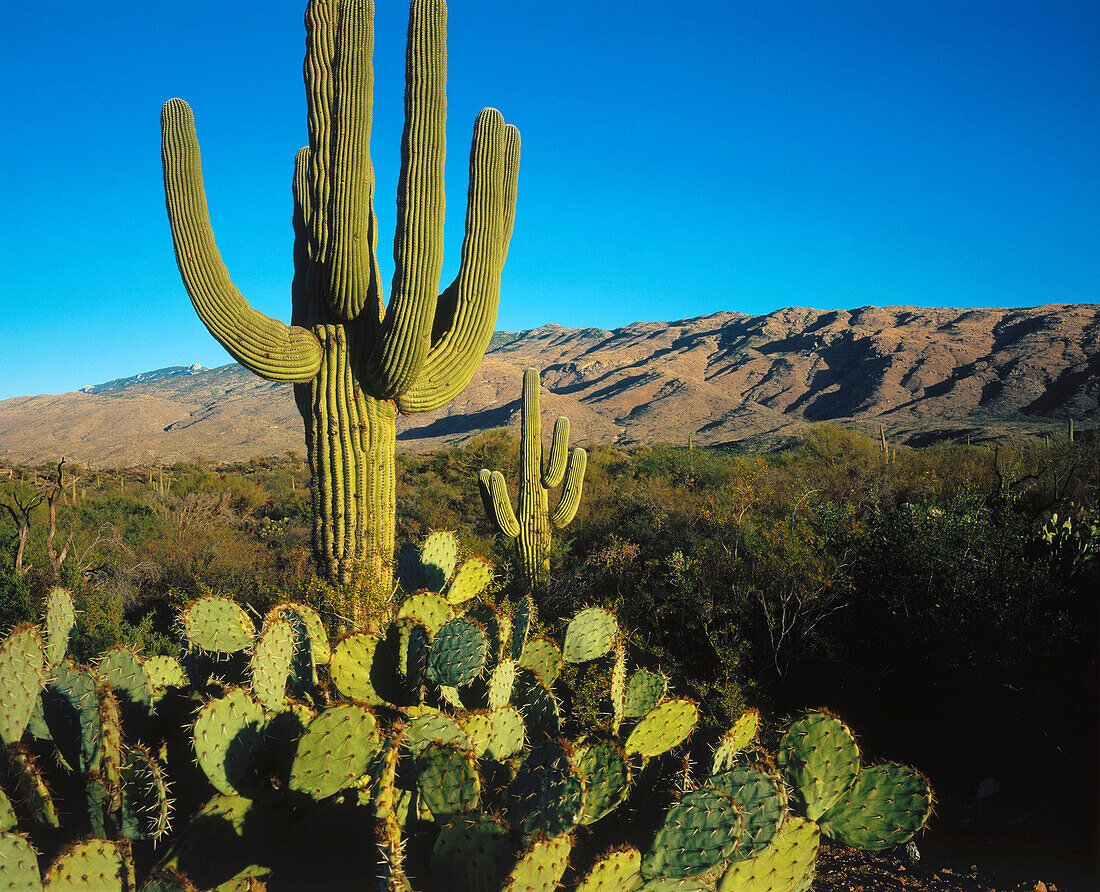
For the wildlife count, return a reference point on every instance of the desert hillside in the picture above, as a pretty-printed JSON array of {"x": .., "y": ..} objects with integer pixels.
[{"x": 726, "y": 379}]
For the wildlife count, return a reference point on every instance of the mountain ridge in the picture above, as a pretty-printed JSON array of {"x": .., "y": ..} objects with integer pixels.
[{"x": 727, "y": 379}]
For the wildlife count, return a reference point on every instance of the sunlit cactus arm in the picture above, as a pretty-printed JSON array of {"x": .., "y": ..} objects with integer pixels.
[
  {"x": 466, "y": 312},
  {"x": 418, "y": 239},
  {"x": 571, "y": 493},
  {"x": 559, "y": 452},
  {"x": 339, "y": 84},
  {"x": 498, "y": 506},
  {"x": 263, "y": 345}
]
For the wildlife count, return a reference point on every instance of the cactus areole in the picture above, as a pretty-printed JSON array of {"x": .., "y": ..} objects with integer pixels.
[{"x": 356, "y": 361}]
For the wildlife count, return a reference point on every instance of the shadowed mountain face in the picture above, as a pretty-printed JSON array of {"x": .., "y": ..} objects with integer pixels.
[{"x": 727, "y": 379}]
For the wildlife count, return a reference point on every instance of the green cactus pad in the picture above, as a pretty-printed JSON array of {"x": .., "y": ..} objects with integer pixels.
[
  {"x": 617, "y": 871},
  {"x": 479, "y": 728},
  {"x": 165, "y": 672},
  {"x": 23, "y": 668},
  {"x": 787, "y": 865},
  {"x": 146, "y": 806},
  {"x": 438, "y": 555},
  {"x": 497, "y": 626},
  {"x": 820, "y": 758},
  {"x": 335, "y": 750},
  {"x": 30, "y": 789},
  {"x": 543, "y": 657},
  {"x": 663, "y": 727},
  {"x": 501, "y": 681},
  {"x": 109, "y": 757},
  {"x": 412, "y": 643},
  {"x": 228, "y": 735},
  {"x": 762, "y": 801},
  {"x": 699, "y": 832},
  {"x": 885, "y": 806},
  {"x": 71, "y": 710},
  {"x": 471, "y": 854},
  {"x": 354, "y": 671},
  {"x": 458, "y": 653},
  {"x": 606, "y": 776},
  {"x": 688, "y": 884},
  {"x": 217, "y": 625},
  {"x": 18, "y": 864},
  {"x": 540, "y": 708},
  {"x": 451, "y": 696},
  {"x": 60, "y": 620},
  {"x": 471, "y": 579},
  {"x": 547, "y": 794},
  {"x": 310, "y": 639},
  {"x": 125, "y": 672},
  {"x": 432, "y": 726},
  {"x": 7, "y": 813},
  {"x": 447, "y": 779},
  {"x": 541, "y": 866},
  {"x": 270, "y": 664},
  {"x": 644, "y": 690},
  {"x": 735, "y": 740},
  {"x": 508, "y": 733},
  {"x": 429, "y": 608},
  {"x": 97, "y": 865},
  {"x": 525, "y": 615},
  {"x": 589, "y": 635}
]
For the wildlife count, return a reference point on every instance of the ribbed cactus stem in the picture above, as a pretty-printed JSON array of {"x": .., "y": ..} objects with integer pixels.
[
  {"x": 531, "y": 528},
  {"x": 357, "y": 362}
]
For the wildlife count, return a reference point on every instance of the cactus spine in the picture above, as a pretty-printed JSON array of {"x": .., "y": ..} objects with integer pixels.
[
  {"x": 532, "y": 530},
  {"x": 357, "y": 362}
]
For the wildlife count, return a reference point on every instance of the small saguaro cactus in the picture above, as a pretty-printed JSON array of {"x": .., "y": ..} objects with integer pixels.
[
  {"x": 356, "y": 361},
  {"x": 532, "y": 530}
]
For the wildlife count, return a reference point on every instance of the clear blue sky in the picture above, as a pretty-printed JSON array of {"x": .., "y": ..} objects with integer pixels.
[{"x": 678, "y": 159}]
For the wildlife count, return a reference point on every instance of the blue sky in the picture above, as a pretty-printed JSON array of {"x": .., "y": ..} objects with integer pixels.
[{"x": 678, "y": 159}]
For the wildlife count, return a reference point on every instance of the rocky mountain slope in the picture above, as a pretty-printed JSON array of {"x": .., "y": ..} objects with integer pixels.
[{"x": 726, "y": 379}]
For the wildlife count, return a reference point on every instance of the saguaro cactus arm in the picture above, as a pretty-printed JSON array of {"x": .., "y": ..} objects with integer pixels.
[
  {"x": 498, "y": 506},
  {"x": 466, "y": 312},
  {"x": 261, "y": 344},
  {"x": 571, "y": 493}
]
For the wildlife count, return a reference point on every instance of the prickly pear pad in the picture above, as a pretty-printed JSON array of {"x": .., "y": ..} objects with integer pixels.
[
  {"x": 7, "y": 814},
  {"x": 447, "y": 779},
  {"x": 146, "y": 807},
  {"x": 543, "y": 657},
  {"x": 885, "y": 806},
  {"x": 606, "y": 778},
  {"x": 617, "y": 871},
  {"x": 335, "y": 750},
  {"x": 539, "y": 705},
  {"x": 96, "y": 865},
  {"x": 164, "y": 672},
  {"x": 20, "y": 864},
  {"x": 217, "y": 625},
  {"x": 227, "y": 739},
  {"x": 738, "y": 737},
  {"x": 29, "y": 787},
  {"x": 432, "y": 726},
  {"x": 429, "y": 608},
  {"x": 525, "y": 614},
  {"x": 644, "y": 690},
  {"x": 479, "y": 728},
  {"x": 787, "y": 865},
  {"x": 270, "y": 664},
  {"x": 473, "y": 575},
  {"x": 22, "y": 672},
  {"x": 501, "y": 680},
  {"x": 352, "y": 668},
  {"x": 438, "y": 554},
  {"x": 820, "y": 758},
  {"x": 663, "y": 728},
  {"x": 547, "y": 793},
  {"x": 458, "y": 653},
  {"x": 471, "y": 855},
  {"x": 311, "y": 640},
  {"x": 540, "y": 866},
  {"x": 72, "y": 714},
  {"x": 60, "y": 619},
  {"x": 589, "y": 635},
  {"x": 760, "y": 795},
  {"x": 508, "y": 733},
  {"x": 123, "y": 669},
  {"x": 700, "y": 831}
]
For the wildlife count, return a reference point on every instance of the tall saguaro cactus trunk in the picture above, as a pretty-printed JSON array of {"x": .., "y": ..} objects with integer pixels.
[{"x": 356, "y": 361}]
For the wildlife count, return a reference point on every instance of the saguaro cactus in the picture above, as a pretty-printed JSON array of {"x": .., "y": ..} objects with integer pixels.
[
  {"x": 532, "y": 530},
  {"x": 355, "y": 361}
]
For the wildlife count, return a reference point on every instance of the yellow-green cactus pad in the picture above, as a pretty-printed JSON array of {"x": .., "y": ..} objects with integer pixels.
[
  {"x": 23, "y": 668},
  {"x": 335, "y": 750},
  {"x": 820, "y": 758},
  {"x": 18, "y": 864},
  {"x": 508, "y": 733},
  {"x": 471, "y": 579},
  {"x": 431, "y": 609},
  {"x": 60, "y": 620},
  {"x": 618, "y": 871},
  {"x": 885, "y": 806},
  {"x": 663, "y": 727},
  {"x": 699, "y": 832},
  {"x": 644, "y": 690},
  {"x": 269, "y": 667},
  {"x": 217, "y": 625},
  {"x": 97, "y": 865},
  {"x": 787, "y": 865},
  {"x": 735, "y": 740},
  {"x": 606, "y": 776},
  {"x": 589, "y": 635},
  {"x": 541, "y": 866},
  {"x": 447, "y": 779},
  {"x": 228, "y": 735},
  {"x": 353, "y": 668},
  {"x": 543, "y": 657}
]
